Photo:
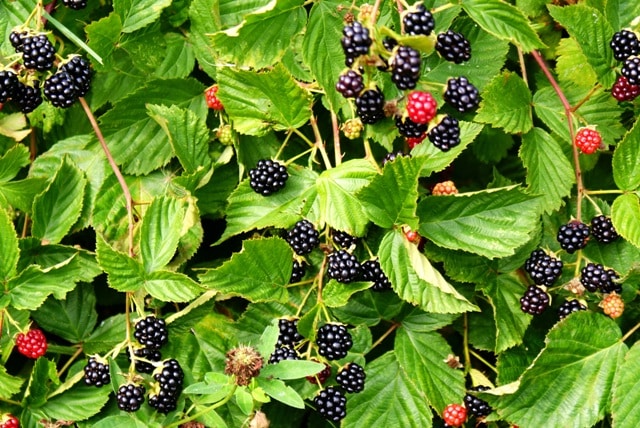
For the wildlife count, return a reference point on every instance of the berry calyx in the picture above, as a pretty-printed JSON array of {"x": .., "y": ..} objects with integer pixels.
[
  {"x": 569, "y": 307},
  {"x": 268, "y": 177},
  {"x": 453, "y": 47},
  {"x": 350, "y": 84},
  {"x": 622, "y": 90},
  {"x": 343, "y": 266},
  {"x": 446, "y": 134},
  {"x": 475, "y": 406},
  {"x": 444, "y": 188},
  {"x": 631, "y": 70},
  {"x": 421, "y": 107},
  {"x": 334, "y": 341},
  {"x": 573, "y": 236},
  {"x": 96, "y": 372},
  {"x": 303, "y": 238},
  {"x": 454, "y": 415},
  {"x": 9, "y": 421},
  {"x": 612, "y": 305},
  {"x": 534, "y": 301},
  {"x": 624, "y": 44},
  {"x": 405, "y": 67},
  {"x": 351, "y": 378},
  {"x": 244, "y": 363},
  {"x": 461, "y": 94},
  {"x": 331, "y": 404},
  {"x": 542, "y": 268},
  {"x": 352, "y": 128},
  {"x": 602, "y": 229},
  {"x": 33, "y": 344},
  {"x": 130, "y": 397},
  {"x": 588, "y": 140},
  {"x": 418, "y": 21},
  {"x": 151, "y": 332},
  {"x": 371, "y": 271},
  {"x": 370, "y": 106},
  {"x": 213, "y": 102}
]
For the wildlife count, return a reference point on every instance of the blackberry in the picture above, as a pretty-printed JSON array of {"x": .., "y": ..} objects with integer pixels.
[
  {"x": 446, "y": 134},
  {"x": 75, "y": 4},
  {"x": 8, "y": 85},
  {"x": 370, "y": 106},
  {"x": 475, "y": 406},
  {"x": 419, "y": 22},
  {"x": 343, "y": 266},
  {"x": 595, "y": 277},
  {"x": 283, "y": 353},
  {"x": 38, "y": 53},
  {"x": 130, "y": 397},
  {"x": 151, "y": 332},
  {"x": 453, "y": 47},
  {"x": 58, "y": 89},
  {"x": 170, "y": 376},
  {"x": 355, "y": 42},
  {"x": 623, "y": 91},
  {"x": 334, "y": 341},
  {"x": 288, "y": 332},
  {"x": 268, "y": 177},
  {"x": 96, "y": 373},
  {"x": 343, "y": 239},
  {"x": 17, "y": 39},
  {"x": 297, "y": 272},
  {"x": 624, "y": 44},
  {"x": 371, "y": 271},
  {"x": 321, "y": 377},
  {"x": 408, "y": 128},
  {"x": 303, "y": 238},
  {"x": 573, "y": 236},
  {"x": 350, "y": 84},
  {"x": 27, "y": 97},
  {"x": 80, "y": 73},
  {"x": 405, "y": 68},
  {"x": 602, "y": 229},
  {"x": 351, "y": 378},
  {"x": 331, "y": 404},
  {"x": 150, "y": 354},
  {"x": 389, "y": 43},
  {"x": 534, "y": 301},
  {"x": 569, "y": 307},
  {"x": 391, "y": 156},
  {"x": 543, "y": 269},
  {"x": 461, "y": 95},
  {"x": 164, "y": 401},
  {"x": 631, "y": 70}
]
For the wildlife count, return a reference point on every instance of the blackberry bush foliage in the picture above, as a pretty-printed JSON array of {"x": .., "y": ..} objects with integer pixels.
[{"x": 497, "y": 240}]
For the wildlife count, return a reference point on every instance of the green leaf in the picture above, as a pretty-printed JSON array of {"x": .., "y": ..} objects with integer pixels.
[
  {"x": 513, "y": 113},
  {"x": 504, "y": 21},
  {"x": 277, "y": 102},
  {"x": 20, "y": 194},
  {"x": 77, "y": 404},
  {"x": 379, "y": 404},
  {"x": 490, "y": 223},
  {"x": 137, "y": 14},
  {"x": 162, "y": 226},
  {"x": 56, "y": 209},
  {"x": 419, "y": 321},
  {"x": 14, "y": 126},
  {"x": 270, "y": 262},
  {"x": 550, "y": 173},
  {"x": 572, "y": 65},
  {"x": 626, "y": 168},
  {"x": 82, "y": 267},
  {"x": 103, "y": 34},
  {"x": 14, "y": 159},
  {"x": 625, "y": 214},
  {"x": 624, "y": 408},
  {"x": 424, "y": 356},
  {"x": 171, "y": 286},
  {"x": 43, "y": 380},
  {"x": 179, "y": 58},
  {"x": 291, "y": 369},
  {"x": 244, "y": 400},
  {"x": 9, "y": 385},
  {"x": 123, "y": 272},
  {"x": 593, "y": 33},
  {"x": 8, "y": 247},
  {"x": 106, "y": 336},
  {"x": 278, "y": 390},
  {"x": 570, "y": 383},
  {"x": 415, "y": 279},
  {"x": 336, "y": 295},
  {"x": 120, "y": 422}
]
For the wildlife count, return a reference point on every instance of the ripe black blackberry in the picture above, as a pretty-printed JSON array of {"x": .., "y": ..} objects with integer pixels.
[
  {"x": 283, "y": 353},
  {"x": 419, "y": 21},
  {"x": 75, "y": 4},
  {"x": 624, "y": 44},
  {"x": 303, "y": 238},
  {"x": 389, "y": 43},
  {"x": 297, "y": 272},
  {"x": 391, "y": 156},
  {"x": 151, "y": 332},
  {"x": 96, "y": 373},
  {"x": 475, "y": 406},
  {"x": 370, "y": 106},
  {"x": 343, "y": 266},
  {"x": 150, "y": 354},
  {"x": 170, "y": 376},
  {"x": 453, "y": 47},
  {"x": 27, "y": 97},
  {"x": 350, "y": 84},
  {"x": 59, "y": 90},
  {"x": 351, "y": 378},
  {"x": 8, "y": 85},
  {"x": 17, "y": 39},
  {"x": 543, "y": 269},
  {"x": 331, "y": 404},
  {"x": 534, "y": 301},
  {"x": 569, "y": 307},
  {"x": 461, "y": 94},
  {"x": 334, "y": 341},
  {"x": 80, "y": 73},
  {"x": 405, "y": 68},
  {"x": 408, "y": 128},
  {"x": 268, "y": 177},
  {"x": 164, "y": 401},
  {"x": 446, "y": 134},
  {"x": 371, "y": 271},
  {"x": 595, "y": 277},
  {"x": 343, "y": 239},
  {"x": 37, "y": 52},
  {"x": 355, "y": 42},
  {"x": 130, "y": 397},
  {"x": 602, "y": 229},
  {"x": 288, "y": 334},
  {"x": 573, "y": 236},
  {"x": 631, "y": 70}
]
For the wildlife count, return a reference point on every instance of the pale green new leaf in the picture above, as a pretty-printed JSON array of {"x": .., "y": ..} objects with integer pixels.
[
  {"x": 512, "y": 113},
  {"x": 336, "y": 294},
  {"x": 549, "y": 172},
  {"x": 258, "y": 273},
  {"x": 160, "y": 232},
  {"x": 415, "y": 280},
  {"x": 9, "y": 385},
  {"x": 511, "y": 322},
  {"x": 291, "y": 369},
  {"x": 14, "y": 126},
  {"x": 77, "y": 404},
  {"x": 171, "y": 286},
  {"x": 625, "y": 214},
  {"x": 8, "y": 247},
  {"x": 136, "y": 14},
  {"x": 572, "y": 65},
  {"x": 626, "y": 391},
  {"x": 626, "y": 168},
  {"x": 490, "y": 223},
  {"x": 123, "y": 272},
  {"x": 13, "y": 161},
  {"x": 278, "y": 390}
]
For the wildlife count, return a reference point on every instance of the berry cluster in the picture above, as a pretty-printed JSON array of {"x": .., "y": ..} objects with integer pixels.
[
  {"x": 268, "y": 177},
  {"x": 152, "y": 334},
  {"x": 454, "y": 415},
  {"x": 130, "y": 397},
  {"x": 573, "y": 236},
  {"x": 444, "y": 188},
  {"x": 588, "y": 140},
  {"x": 475, "y": 406},
  {"x": 343, "y": 239},
  {"x": 594, "y": 277},
  {"x": 602, "y": 229},
  {"x": 33, "y": 344},
  {"x": 626, "y": 48},
  {"x": 569, "y": 307},
  {"x": 543, "y": 269},
  {"x": 333, "y": 341},
  {"x": 166, "y": 391},
  {"x": 331, "y": 404},
  {"x": 343, "y": 266},
  {"x": 213, "y": 102},
  {"x": 351, "y": 378},
  {"x": 96, "y": 372},
  {"x": 303, "y": 238},
  {"x": 298, "y": 270},
  {"x": 612, "y": 305},
  {"x": 288, "y": 339},
  {"x": 371, "y": 271},
  {"x": 534, "y": 301}
]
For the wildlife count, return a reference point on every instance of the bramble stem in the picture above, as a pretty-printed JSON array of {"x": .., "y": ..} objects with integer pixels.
[
  {"x": 630, "y": 332},
  {"x": 70, "y": 361},
  {"x": 523, "y": 68},
  {"x": 319, "y": 143},
  {"x": 220, "y": 403},
  {"x": 336, "y": 139},
  {"x": 467, "y": 355},
  {"x": 386, "y": 334},
  {"x": 485, "y": 362}
]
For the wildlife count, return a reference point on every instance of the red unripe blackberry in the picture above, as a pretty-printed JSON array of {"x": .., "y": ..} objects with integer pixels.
[
  {"x": 391, "y": 156},
  {"x": 569, "y": 307},
  {"x": 164, "y": 401},
  {"x": 213, "y": 102},
  {"x": 405, "y": 67},
  {"x": 595, "y": 277},
  {"x": 130, "y": 397},
  {"x": 151, "y": 332},
  {"x": 59, "y": 90},
  {"x": 543, "y": 269},
  {"x": 321, "y": 377},
  {"x": 419, "y": 21},
  {"x": 334, "y": 341},
  {"x": 421, "y": 107},
  {"x": 602, "y": 229},
  {"x": 371, "y": 271},
  {"x": 446, "y": 134},
  {"x": 588, "y": 140},
  {"x": 453, "y": 47},
  {"x": 534, "y": 301},
  {"x": 414, "y": 141},
  {"x": 631, "y": 70},
  {"x": 170, "y": 376},
  {"x": 17, "y": 39},
  {"x": 351, "y": 378},
  {"x": 288, "y": 332},
  {"x": 624, "y": 44},
  {"x": 297, "y": 272},
  {"x": 80, "y": 73},
  {"x": 355, "y": 42},
  {"x": 33, "y": 344},
  {"x": 75, "y": 4},
  {"x": 268, "y": 177},
  {"x": 331, "y": 404},
  {"x": 573, "y": 236},
  {"x": 28, "y": 98},
  {"x": 454, "y": 415},
  {"x": 96, "y": 373},
  {"x": 8, "y": 85},
  {"x": 461, "y": 94},
  {"x": 370, "y": 106},
  {"x": 150, "y": 354},
  {"x": 303, "y": 238},
  {"x": 283, "y": 353},
  {"x": 622, "y": 90},
  {"x": 9, "y": 421},
  {"x": 343, "y": 239},
  {"x": 350, "y": 84},
  {"x": 37, "y": 52},
  {"x": 343, "y": 266},
  {"x": 475, "y": 406},
  {"x": 410, "y": 129}
]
